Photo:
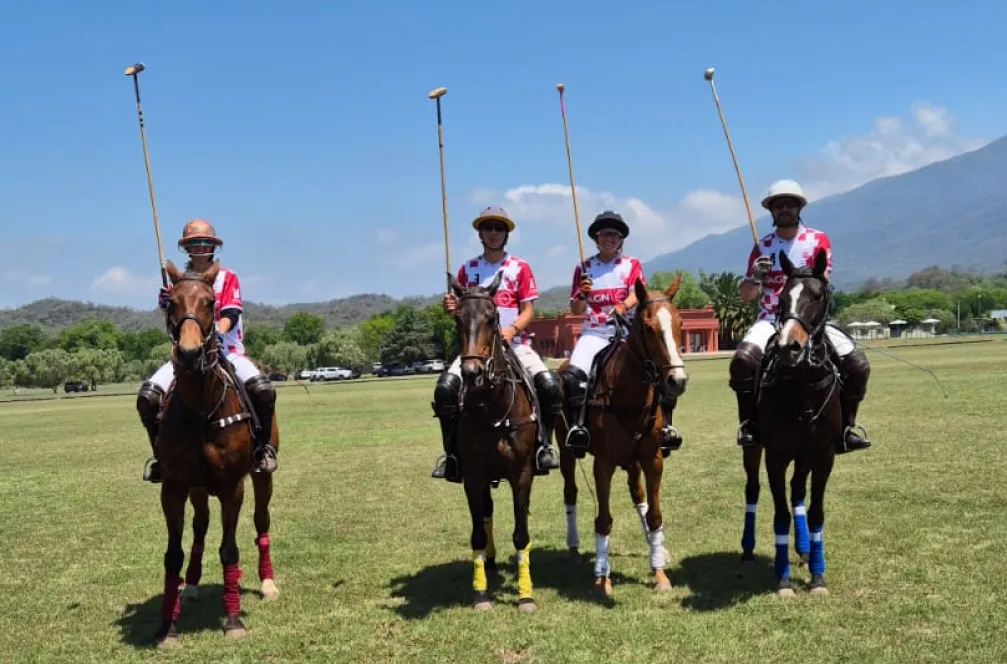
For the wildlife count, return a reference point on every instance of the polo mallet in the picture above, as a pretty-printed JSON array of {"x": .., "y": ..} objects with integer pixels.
[
  {"x": 436, "y": 95},
  {"x": 708, "y": 75},
  {"x": 569, "y": 164},
  {"x": 134, "y": 70}
]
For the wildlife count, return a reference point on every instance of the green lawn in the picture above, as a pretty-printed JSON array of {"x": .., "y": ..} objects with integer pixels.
[{"x": 372, "y": 557}]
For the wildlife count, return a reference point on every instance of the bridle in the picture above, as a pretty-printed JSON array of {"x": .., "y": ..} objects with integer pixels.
[
  {"x": 813, "y": 352},
  {"x": 654, "y": 372},
  {"x": 208, "y": 355}
]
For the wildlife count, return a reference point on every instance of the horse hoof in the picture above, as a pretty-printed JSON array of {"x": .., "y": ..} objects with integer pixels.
[
  {"x": 819, "y": 590},
  {"x": 490, "y": 564},
  {"x": 785, "y": 592},
  {"x": 574, "y": 553},
  {"x": 234, "y": 628},
  {"x": 166, "y": 636},
  {"x": 603, "y": 585},
  {"x": 482, "y": 605},
  {"x": 527, "y": 605},
  {"x": 269, "y": 590},
  {"x": 661, "y": 581},
  {"x": 167, "y": 642},
  {"x": 190, "y": 593}
]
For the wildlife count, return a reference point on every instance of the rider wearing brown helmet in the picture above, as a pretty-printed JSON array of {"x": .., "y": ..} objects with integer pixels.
[{"x": 199, "y": 241}]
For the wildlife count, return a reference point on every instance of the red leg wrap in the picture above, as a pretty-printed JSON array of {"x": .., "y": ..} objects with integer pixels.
[
  {"x": 170, "y": 603},
  {"x": 265, "y": 564},
  {"x": 232, "y": 594}
]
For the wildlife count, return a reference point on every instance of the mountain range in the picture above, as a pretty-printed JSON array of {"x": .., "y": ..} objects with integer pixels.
[{"x": 951, "y": 213}]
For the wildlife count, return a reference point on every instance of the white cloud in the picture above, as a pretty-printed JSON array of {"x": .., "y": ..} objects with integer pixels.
[
  {"x": 26, "y": 278},
  {"x": 118, "y": 280}
]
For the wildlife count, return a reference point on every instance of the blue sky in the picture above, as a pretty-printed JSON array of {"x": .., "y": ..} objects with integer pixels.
[{"x": 303, "y": 132}]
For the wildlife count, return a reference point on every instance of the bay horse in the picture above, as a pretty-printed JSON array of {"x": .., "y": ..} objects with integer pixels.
[
  {"x": 799, "y": 419},
  {"x": 205, "y": 449},
  {"x": 624, "y": 418},
  {"x": 497, "y": 429}
]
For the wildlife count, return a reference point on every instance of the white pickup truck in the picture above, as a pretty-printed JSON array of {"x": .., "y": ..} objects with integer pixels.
[{"x": 331, "y": 373}]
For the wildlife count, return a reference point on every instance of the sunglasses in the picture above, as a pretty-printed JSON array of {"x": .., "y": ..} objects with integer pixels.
[
  {"x": 784, "y": 203},
  {"x": 497, "y": 227}
]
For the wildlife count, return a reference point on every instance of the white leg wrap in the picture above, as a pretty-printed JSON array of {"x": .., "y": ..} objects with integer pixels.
[
  {"x": 601, "y": 566},
  {"x": 572, "y": 536},
  {"x": 641, "y": 511},
  {"x": 656, "y": 539}
]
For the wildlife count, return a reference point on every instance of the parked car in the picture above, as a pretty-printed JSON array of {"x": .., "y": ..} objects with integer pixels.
[
  {"x": 304, "y": 374},
  {"x": 331, "y": 373},
  {"x": 74, "y": 386},
  {"x": 277, "y": 376},
  {"x": 429, "y": 366}
]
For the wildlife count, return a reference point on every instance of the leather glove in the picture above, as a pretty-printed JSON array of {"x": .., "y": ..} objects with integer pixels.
[
  {"x": 162, "y": 297},
  {"x": 585, "y": 287},
  {"x": 761, "y": 267},
  {"x": 449, "y": 303}
]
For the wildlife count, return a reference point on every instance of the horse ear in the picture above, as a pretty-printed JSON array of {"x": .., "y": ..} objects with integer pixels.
[
  {"x": 671, "y": 290},
  {"x": 785, "y": 264},
  {"x": 495, "y": 284},
  {"x": 456, "y": 287},
  {"x": 173, "y": 273},
  {"x": 821, "y": 263},
  {"x": 210, "y": 275},
  {"x": 642, "y": 294}
]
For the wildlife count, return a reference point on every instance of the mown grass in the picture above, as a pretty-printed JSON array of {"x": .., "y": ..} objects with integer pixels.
[{"x": 372, "y": 556}]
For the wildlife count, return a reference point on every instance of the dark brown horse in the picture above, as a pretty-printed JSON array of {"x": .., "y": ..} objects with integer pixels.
[
  {"x": 205, "y": 449},
  {"x": 497, "y": 429},
  {"x": 624, "y": 420},
  {"x": 799, "y": 419}
]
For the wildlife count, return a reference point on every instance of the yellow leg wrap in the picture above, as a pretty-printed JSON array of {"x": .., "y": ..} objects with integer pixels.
[
  {"x": 524, "y": 573},
  {"x": 479, "y": 571},
  {"x": 491, "y": 548}
]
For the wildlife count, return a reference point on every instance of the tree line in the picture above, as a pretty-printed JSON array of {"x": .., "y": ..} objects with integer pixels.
[{"x": 97, "y": 351}]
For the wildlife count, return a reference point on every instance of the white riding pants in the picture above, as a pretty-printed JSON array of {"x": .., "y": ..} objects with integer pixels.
[
  {"x": 587, "y": 347},
  {"x": 530, "y": 361},
  {"x": 243, "y": 367},
  {"x": 760, "y": 333}
]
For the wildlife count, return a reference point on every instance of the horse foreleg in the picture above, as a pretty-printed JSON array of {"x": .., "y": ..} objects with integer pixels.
[
  {"x": 776, "y": 468},
  {"x": 475, "y": 491},
  {"x": 522, "y": 539},
  {"x": 751, "y": 458},
  {"x": 262, "y": 486},
  {"x": 200, "y": 524},
  {"x": 637, "y": 495},
  {"x": 173, "y": 505},
  {"x": 568, "y": 468},
  {"x": 816, "y": 522},
  {"x": 603, "y": 471},
  {"x": 798, "y": 491},
  {"x": 653, "y": 469},
  {"x": 230, "y": 510},
  {"x": 491, "y": 548}
]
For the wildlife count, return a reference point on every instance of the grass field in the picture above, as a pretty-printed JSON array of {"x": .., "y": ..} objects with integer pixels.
[{"x": 372, "y": 556}]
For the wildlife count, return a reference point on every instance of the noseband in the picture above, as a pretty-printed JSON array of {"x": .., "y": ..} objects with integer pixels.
[
  {"x": 810, "y": 353},
  {"x": 487, "y": 360},
  {"x": 208, "y": 355}
]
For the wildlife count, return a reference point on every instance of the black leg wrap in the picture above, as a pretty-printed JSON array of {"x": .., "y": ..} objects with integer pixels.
[
  {"x": 445, "y": 407},
  {"x": 550, "y": 401},
  {"x": 575, "y": 383},
  {"x": 263, "y": 396},
  {"x": 149, "y": 401},
  {"x": 855, "y": 372},
  {"x": 744, "y": 372}
]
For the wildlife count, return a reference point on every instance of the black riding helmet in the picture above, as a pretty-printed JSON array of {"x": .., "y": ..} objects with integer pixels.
[{"x": 608, "y": 220}]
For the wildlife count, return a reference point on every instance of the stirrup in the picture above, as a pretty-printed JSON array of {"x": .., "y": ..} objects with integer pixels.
[
  {"x": 862, "y": 445},
  {"x": 540, "y": 467},
  {"x": 440, "y": 470},
  {"x": 578, "y": 438},
  {"x": 265, "y": 461},
  {"x": 741, "y": 430},
  {"x": 671, "y": 439},
  {"x": 152, "y": 470}
]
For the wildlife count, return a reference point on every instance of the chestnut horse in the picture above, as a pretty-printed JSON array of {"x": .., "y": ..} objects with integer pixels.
[
  {"x": 205, "y": 449},
  {"x": 497, "y": 429},
  {"x": 799, "y": 420},
  {"x": 624, "y": 418}
]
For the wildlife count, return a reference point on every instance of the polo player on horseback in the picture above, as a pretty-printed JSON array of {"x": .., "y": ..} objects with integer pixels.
[
  {"x": 764, "y": 277},
  {"x": 603, "y": 286},
  {"x": 515, "y": 305},
  {"x": 199, "y": 240}
]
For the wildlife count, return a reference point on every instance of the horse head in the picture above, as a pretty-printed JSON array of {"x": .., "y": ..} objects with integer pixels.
[
  {"x": 191, "y": 319},
  {"x": 658, "y": 326},
  {"x": 802, "y": 312},
  {"x": 479, "y": 341}
]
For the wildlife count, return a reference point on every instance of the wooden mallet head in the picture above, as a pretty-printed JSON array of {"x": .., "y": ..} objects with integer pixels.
[
  {"x": 437, "y": 93},
  {"x": 708, "y": 74}
]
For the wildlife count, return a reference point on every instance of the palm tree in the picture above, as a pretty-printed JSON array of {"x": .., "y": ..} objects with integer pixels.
[{"x": 734, "y": 315}]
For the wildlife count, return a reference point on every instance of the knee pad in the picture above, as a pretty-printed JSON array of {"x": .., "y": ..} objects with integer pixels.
[
  {"x": 446, "y": 393},
  {"x": 547, "y": 386},
  {"x": 744, "y": 365},
  {"x": 856, "y": 370},
  {"x": 149, "y": 400},
  {"x": 574, "y": 380},
  {"x": 261, "y": 389}
]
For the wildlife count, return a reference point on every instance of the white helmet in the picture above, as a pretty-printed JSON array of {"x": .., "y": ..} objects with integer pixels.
[{"x": 782, "y": 188}]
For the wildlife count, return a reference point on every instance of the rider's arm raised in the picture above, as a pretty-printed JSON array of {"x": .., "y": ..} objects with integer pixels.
[
  {"x": 749, "y": 289},
  {"x": 578, "y": 303}
]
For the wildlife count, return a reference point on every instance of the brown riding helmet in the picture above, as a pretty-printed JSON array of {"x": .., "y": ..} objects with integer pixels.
[{"x": 199, "y": 233}]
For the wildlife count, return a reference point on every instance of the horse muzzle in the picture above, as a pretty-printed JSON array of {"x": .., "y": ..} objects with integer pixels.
[
  {"x": 675, "y": 385},
  {"x": 473, "y": 373}
]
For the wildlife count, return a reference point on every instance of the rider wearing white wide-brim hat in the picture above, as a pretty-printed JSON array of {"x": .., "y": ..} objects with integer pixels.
[
  {"x": 764, "y": 278},
  {"x": 603, "y": 287},
  {"x": 199, "y": 241},
  {"x": 514, "y": 300}
]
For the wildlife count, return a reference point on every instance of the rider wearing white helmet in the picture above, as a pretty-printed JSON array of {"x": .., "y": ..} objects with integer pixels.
[
  {"x": 199, "y": 240},
  {"x": 764, "y": 277}
]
